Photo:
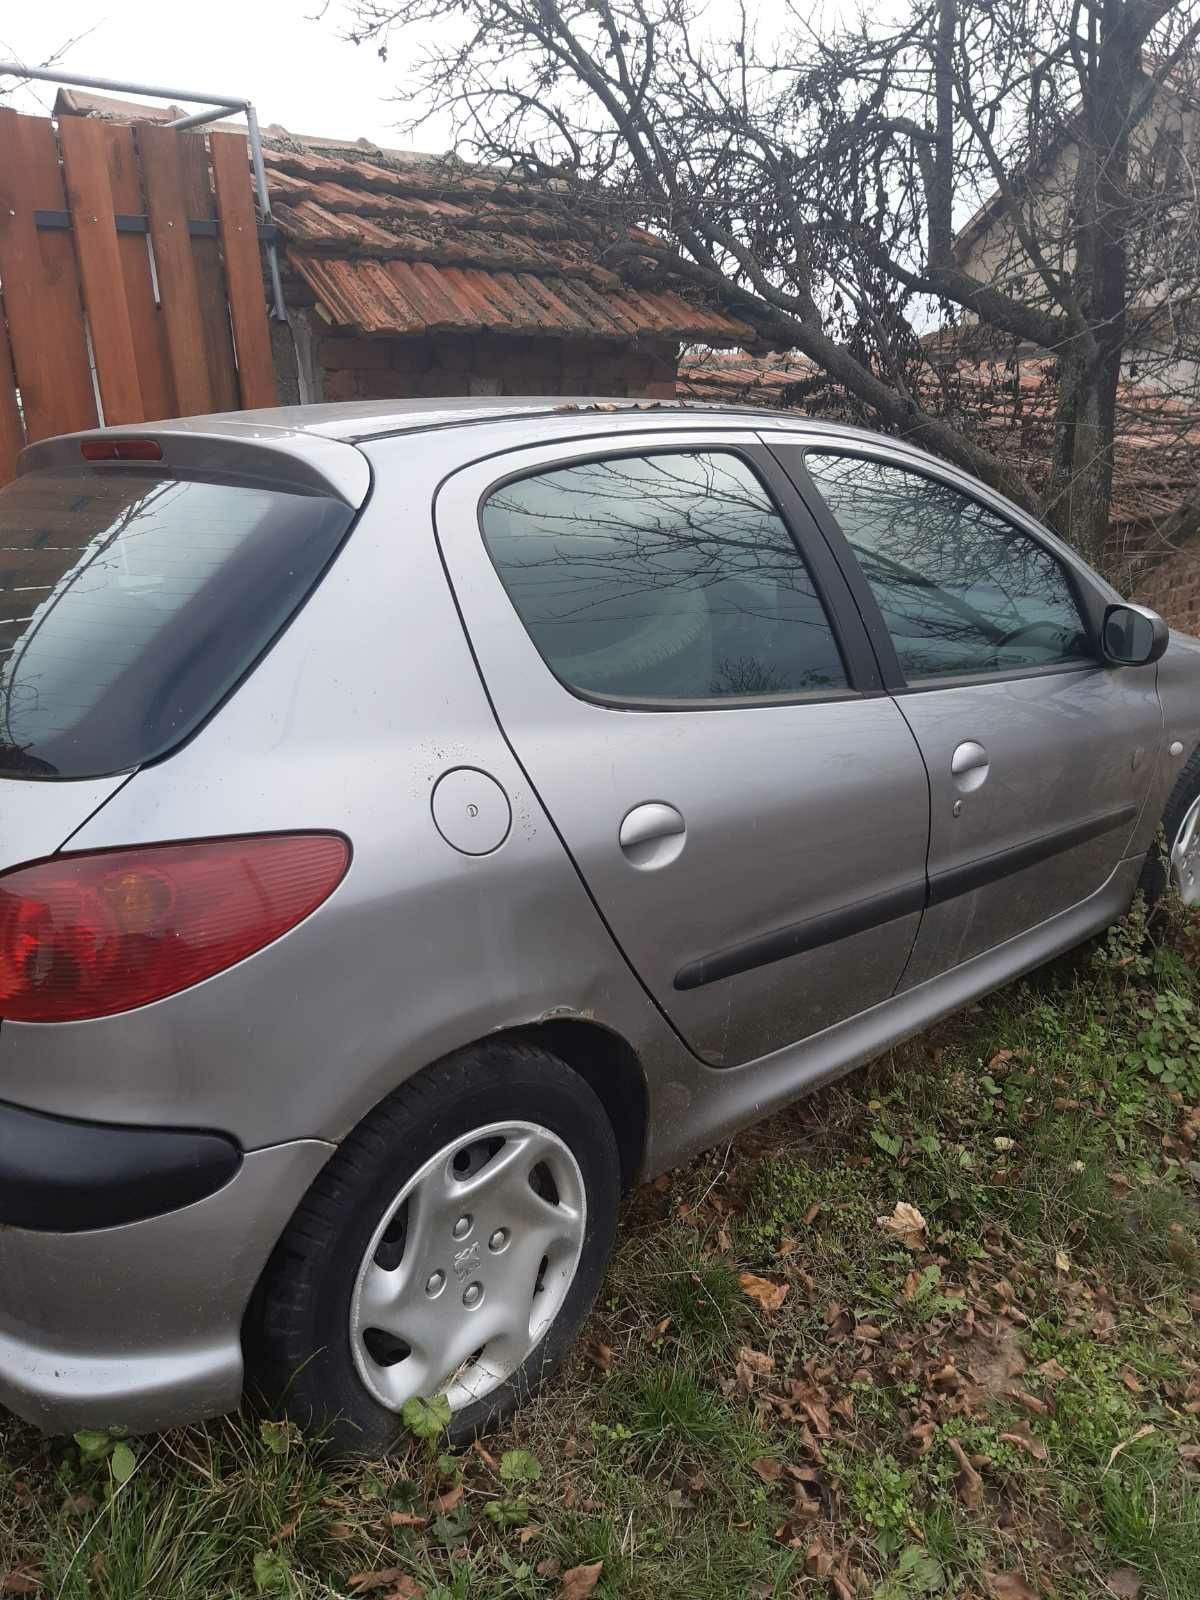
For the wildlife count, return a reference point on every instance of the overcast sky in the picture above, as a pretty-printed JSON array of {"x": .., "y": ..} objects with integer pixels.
[
  {"x": 296, "y": 71},
  {"x": 295, "y": 67}
]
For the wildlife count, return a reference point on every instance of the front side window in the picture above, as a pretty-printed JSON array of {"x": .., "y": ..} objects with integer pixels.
[
  {"x": 963, "y": 591},
  {"x": 664, "y": 578}
]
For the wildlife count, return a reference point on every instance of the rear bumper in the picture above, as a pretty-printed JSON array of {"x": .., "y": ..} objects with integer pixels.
[
  {"x": 59, "y": 1175},
  {"x": 139, "y": 1325}
]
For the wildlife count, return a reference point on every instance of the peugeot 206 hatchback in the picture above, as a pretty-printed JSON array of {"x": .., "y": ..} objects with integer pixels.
[{"x": 420, "y": 822}]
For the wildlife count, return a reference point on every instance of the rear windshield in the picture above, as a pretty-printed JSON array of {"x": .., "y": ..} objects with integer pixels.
[{"x": 131, "y": 603}]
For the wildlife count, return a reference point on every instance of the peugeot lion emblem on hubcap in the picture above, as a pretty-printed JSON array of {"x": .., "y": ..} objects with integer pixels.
[{"x": 465, "y": 1261}]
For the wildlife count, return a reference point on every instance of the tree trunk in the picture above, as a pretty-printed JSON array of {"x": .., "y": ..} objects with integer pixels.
[{"x": 1081, "y": 486}]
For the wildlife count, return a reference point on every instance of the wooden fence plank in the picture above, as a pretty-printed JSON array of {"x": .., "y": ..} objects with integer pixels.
[
  {"x": 41, "y": 285},
  {"x": 166, "y": 202},
  {"x": 12, "y": 435},
  {"x": 218, "y": 338},
  {"x": 89, "y": 195},
  {"x": 243, "y": 269},
  {"x": 145, "y": 318}
]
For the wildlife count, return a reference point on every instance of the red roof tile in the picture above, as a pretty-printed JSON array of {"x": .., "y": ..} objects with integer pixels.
[{"x": 441, "y": 248}]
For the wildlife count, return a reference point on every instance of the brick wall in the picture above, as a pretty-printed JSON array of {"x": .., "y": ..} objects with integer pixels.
[
  {"x": 386, "y": 369},
  {"x": 1173, "y": 589}
]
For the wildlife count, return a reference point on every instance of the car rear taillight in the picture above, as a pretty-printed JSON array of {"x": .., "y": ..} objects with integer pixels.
[{"x": 89, "y": 935}]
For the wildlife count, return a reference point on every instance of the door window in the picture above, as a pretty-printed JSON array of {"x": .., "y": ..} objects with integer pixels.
[
  {"x": 963, "y": 590},
  {"x": 666, "y": 577}
]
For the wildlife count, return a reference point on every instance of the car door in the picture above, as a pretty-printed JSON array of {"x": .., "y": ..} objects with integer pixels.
[
  {"x": 1039, "y": 756},
  {"x": 695, "y": 704}
]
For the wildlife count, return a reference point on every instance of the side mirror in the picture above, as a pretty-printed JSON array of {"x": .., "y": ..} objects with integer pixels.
[{"x": 1132, "y": 636}]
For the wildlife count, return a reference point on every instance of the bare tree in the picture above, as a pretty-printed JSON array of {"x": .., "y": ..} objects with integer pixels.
[
  {"x": 10, "y": 85},
  {"x": 815, "y": 184}
]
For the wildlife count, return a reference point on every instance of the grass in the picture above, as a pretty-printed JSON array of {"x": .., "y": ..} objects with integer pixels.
[{"x": 1004, "y": 1402}]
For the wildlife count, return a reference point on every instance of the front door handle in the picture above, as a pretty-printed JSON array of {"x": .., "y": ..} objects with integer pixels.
[
  {"x": 969, "y": 766},
  {"x": 652, "y": 835}
]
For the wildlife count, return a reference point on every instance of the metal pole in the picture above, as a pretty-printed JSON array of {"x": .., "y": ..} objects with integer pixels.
[
  {"x": 223, "y": 104},
  {"x": 198, "y": 118},
  {"x": 52, "y": 75},
  {"x": 264, "y": 206}
]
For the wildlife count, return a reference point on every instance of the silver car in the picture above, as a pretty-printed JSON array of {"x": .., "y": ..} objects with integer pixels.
[{"x": 421, "y": 822}]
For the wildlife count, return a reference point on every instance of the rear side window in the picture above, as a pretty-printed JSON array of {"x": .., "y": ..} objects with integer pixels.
[
  {"x": 131, "y": 603},
  {"x": 661, "y": 578}
]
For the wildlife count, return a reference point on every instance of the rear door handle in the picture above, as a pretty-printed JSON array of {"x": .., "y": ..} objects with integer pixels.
[
  {"x": 969, "y": 766},
  {"x": 652, "y": 835}
]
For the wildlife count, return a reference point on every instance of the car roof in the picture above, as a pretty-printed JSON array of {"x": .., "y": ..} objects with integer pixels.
[{"x": 353, "y": 421}]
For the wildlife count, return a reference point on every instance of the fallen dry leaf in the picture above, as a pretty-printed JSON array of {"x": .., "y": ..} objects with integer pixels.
[
  {"x": 407, "y": 1589},
  {"x": 21, "y": 1580},
  {"x": 806, "y": 1503},
  {"x": 1021, "y": 1437},
  {"x": 770, "y": 1296},
  {"x": 1053, "y": 1371},
  {"x": 767, "y": 1468},
  {"x": 549, "y": 1568},
  {"x": 448, "y": 1501},
  {"x": 838, "y": 1320},
  {"x": 818, "y": 1560},
  {"x": 599, "y": 1354},
  {"x": 1130, "y": 1379},
  {"x": 756, "y": 1361},
  {"x": 385, "y": 1578},
  {"x": 1009, "y": 1586},
  {"x": 578, "y": 1582},
  {"x": 406, "y": 1519},
  {"x": 1030, "y": 1402},
  {"x": 1125, "y": 1583},
  {"x": 818, "y": 1416},
  {"x": 339, "y": 1530},
  {"x": 968, "y": 1481},
  {"x": 906, "y": 1225}
]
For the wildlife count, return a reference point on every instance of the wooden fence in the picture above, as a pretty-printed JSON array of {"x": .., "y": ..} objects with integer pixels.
[{"x": 130, "y": 277}]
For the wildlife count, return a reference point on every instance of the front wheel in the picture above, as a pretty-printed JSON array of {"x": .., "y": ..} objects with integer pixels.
[
  {"x": 453, "y": 1245},
  {"x": 1174, "y": 859}
]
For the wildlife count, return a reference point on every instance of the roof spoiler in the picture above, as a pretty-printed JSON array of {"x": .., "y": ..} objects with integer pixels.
[{"x": 233, "y": 451}]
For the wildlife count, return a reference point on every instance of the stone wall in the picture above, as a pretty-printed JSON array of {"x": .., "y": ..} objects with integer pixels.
[{"x": 385, "y": 369}]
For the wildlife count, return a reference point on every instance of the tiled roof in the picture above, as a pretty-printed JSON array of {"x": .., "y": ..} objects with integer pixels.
[
  {"x": 391, "y": 242},
  {"x": 409, "y": 249}
]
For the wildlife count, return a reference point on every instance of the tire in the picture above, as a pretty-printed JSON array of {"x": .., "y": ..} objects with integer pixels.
[
  {"x": 303, "y": 1356},
  {"x": 1155, "y": 874}
]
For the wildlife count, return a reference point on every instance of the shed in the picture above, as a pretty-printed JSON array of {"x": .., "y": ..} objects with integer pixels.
[{"x": 409, "y": 275}]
